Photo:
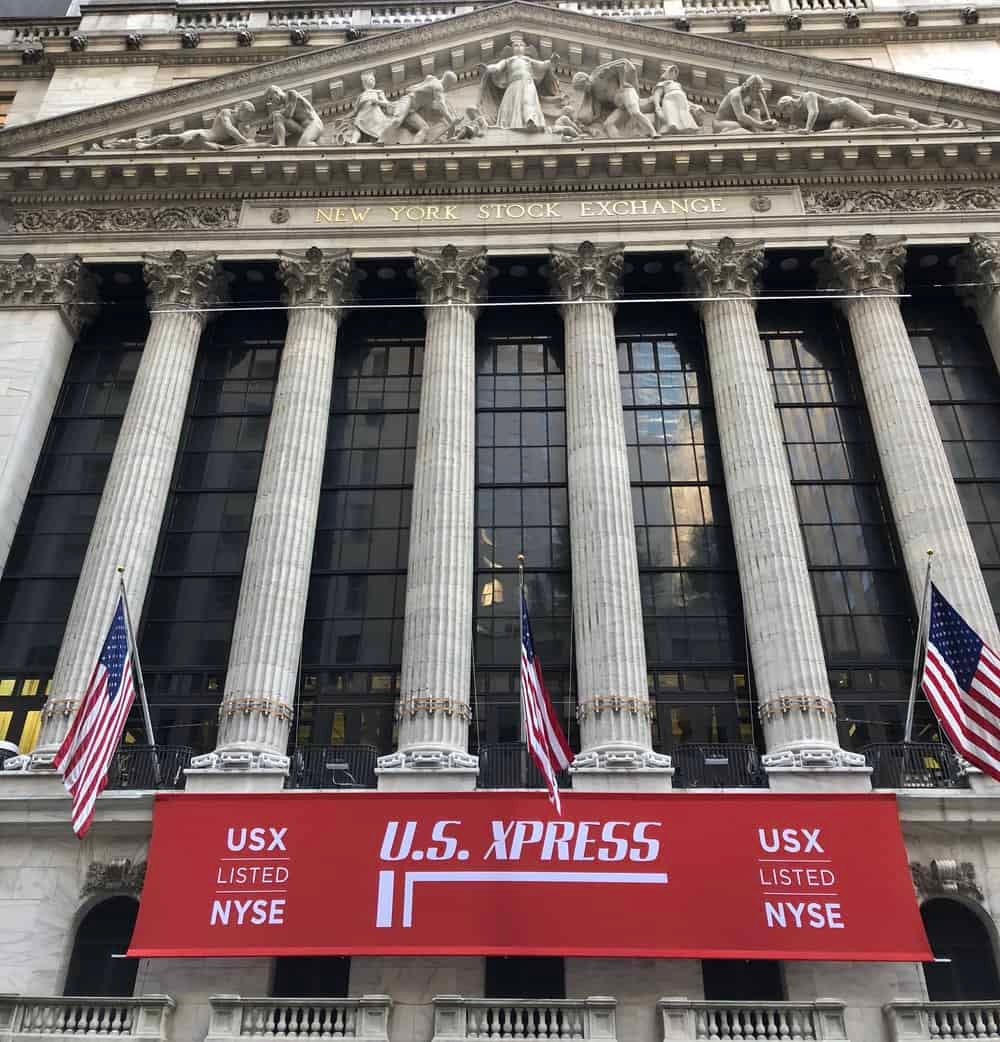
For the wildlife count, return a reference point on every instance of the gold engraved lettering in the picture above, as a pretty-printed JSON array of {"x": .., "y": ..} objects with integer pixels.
[
  {"x": 397, "y": 212},
  {"x": 699, "y": 206},
  {"x": 718, "y": 206},
  {"x": 587, "y": 209},
  {"x": 659, "y": 208},
  {"x": 678, "y": 205}
]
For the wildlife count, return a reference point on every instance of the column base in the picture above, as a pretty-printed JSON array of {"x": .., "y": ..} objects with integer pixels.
[
  {"x": 818, "y": 768},
  {"x": 427, "y": 770},
  {"x": 236, "y": 770},
  {"x": 240, "y": 760},
  {"x": 621, "y": 770}
]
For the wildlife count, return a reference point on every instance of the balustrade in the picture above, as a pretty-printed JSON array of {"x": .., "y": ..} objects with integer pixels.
[
  {"x": 685, "y": 1020},
  {"x": 234, "y": 1017},
  {"x": 927, "y": 1021},
  {"x": 457, "y": 1018},
  {"x": 24, "y": 1018}
]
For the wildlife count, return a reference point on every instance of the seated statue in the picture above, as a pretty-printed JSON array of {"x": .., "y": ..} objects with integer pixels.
[
  {"x": 611, "y": 99},
  {"x": 225, "y": 132},
  {"x": 292, "y": 114},
  {"x": 745, "y": 108},
  {"x": 809, "y": 111},
  {"x": 674, "y": 113}
]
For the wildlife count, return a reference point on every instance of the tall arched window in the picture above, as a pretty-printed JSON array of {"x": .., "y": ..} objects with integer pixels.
[
  {"x": 104, "y": 933},
  {"x": 964, "y": 968}
]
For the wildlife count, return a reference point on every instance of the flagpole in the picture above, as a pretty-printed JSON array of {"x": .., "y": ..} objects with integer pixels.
[
  {"x": 520, "y": 645},
  {"x": 921, "y": 641},
  {"x": 140, "y": 684}
]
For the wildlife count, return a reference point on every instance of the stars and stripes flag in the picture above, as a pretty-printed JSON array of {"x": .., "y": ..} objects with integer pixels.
[
  {"x": 85, "y": 754},
  {"x": 542, "y": 733},
  {"x": 961, "y": 680}
]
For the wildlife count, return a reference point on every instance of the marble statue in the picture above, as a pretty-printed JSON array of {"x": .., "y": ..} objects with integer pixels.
[
  {"x": 471, "y": 124},
  {"x": 511, "y": 89},
  {"x": 292, "y": 114},
  {"x": 611, "y": 100},
  {"x": 371, "y": 115},
  {"x": 808, "y": 111},
  {"x": 744, "y": 108},
  {"x": 566, "y": 125},
  {"x": 225, "y": 132},
  {"x": 674, "y": 113},
  {"x": 419, "y": 106}
]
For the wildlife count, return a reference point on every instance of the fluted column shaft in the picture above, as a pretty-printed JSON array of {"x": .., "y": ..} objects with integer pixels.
[
  {"x": 922, "y": 493},
  {"x": 789, "y": 668},
  {"x": 262, "y": 677},
  {"x": 434, "y": 703},
  {"x": 612, "y": 684},
  {"x": 128, "y": 519},
  {"x": 979, "y": 285}
]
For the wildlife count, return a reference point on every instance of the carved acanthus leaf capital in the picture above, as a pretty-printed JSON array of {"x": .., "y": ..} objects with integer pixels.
[
  {"x": 588, "y": 272},
  {"x": 314, "y": 278},
  {"x": 119, "y": 875},
  {"x": 182, "y": 281},
  {"x": 866, "y": 265},
  {"x": 63, "y": 283},
  {"x": 944, "y": 877},
  {"x": 729, "y": 268},
  {"x": 978, "y": 270},
  {"x": 451, "y": 275}
]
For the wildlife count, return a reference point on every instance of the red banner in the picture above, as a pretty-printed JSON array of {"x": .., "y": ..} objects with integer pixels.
[{"x": 684, "y": 875}]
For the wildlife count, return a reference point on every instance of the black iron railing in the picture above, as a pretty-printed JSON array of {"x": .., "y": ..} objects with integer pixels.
[
  {"x": 914, "y": 765},
  {"x": 142, "y": 767},
  {"x": 718, "y": 766},
  {"x": 510, "y": 766},
  {"x": 333, "y": 767}
]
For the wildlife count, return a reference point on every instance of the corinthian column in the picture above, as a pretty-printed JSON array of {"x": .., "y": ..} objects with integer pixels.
[
  {"x": 614, "y": 708},
  {"x": 437, "y": 636},
  {"x": 925, "y": 503},
  {"x": 128, "y": 519},
  {"x": 793, "y": 690},
  {"x": 979, "y": 285},
  {"x": 44, "y": 304},
  {"x": 267, "y": 636}
]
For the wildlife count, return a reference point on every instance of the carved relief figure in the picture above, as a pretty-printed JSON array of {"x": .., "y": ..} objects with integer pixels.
[
  {"x": 809, "y": 111},
  {"x": 225, "y": 132},
  {"x": 419, "y": 106},
  {"x": 611, "y": 99},
  {"x": 472, "y": 125},
  {"x": 745, "y": 108},
  {"x": 292, "y": 114},
  {"x": 674, "y": 113},
  {"x": 566, "y": 125},
  {"x": 371, "y": 115},
  {"x": 510, "y": 90}
]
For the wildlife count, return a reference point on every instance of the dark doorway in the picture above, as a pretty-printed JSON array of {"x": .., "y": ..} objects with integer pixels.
[
  {"x": 964, "y": 968},
  {"x": 525, "y": 977},
  {"x": 311, "y": 977},
  {"x": 742, "y": 980},
  {"x": 105, "y": 932}
]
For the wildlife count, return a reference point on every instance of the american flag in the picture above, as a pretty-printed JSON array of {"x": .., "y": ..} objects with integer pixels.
[
  {"x": 545, "y": 739},
  {"x": 961, "y": 680},
  {"x": 86, "y": 751}
]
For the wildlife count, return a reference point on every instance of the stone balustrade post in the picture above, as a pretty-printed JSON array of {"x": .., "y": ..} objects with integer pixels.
[
  {"x": 434, "y": 705},
  {"x": 127, "y": 526},
  {"x": 262, "y": 678},
  {"x": 978, "y": 284},
  {"x": 789, "y": 668},
  {"x": 45, "y": 304},
  {"x": 613, "y": 688},
  {"x": 922, "y": 493}
]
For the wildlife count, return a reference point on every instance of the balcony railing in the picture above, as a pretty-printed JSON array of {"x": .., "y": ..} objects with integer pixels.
[
  {"x": 730, "y": 766},
  {"x": 457, "y": 1019},
  {"x": 929, "y": 1021},
  {"x": 234, "y": 1017},
  {"x": 333, "y": 767},
  {"x": 142, "y": 767},
  {"x": 914, "y": 765},
  {"x": 687, "y": 1020},
  {"x": 23, "y": 1018},
  {"x": 510, "y": 766}
]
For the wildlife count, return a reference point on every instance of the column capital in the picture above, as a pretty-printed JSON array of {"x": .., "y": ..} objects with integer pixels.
[
  {"x": 587, "y": 272},
  {"x": 314, "y": 277},
  {"x": 451, "y": 276},
  {"x": 728, "y": 268},
  {"x": 182, "y": 281},
  {"x": 978, "y": 269},
  {"x": 62, "y": 283},
  {"x": 867, "y": 265}
]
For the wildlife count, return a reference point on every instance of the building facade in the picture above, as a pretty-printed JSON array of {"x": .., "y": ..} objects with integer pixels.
[{"x": 321, "y": 322}]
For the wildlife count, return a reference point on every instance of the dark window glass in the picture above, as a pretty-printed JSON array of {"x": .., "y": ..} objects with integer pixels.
[
  {"x": 104, "y": 932},
  {"x": 521, "y": 508},
  {"x": 691, "y": 606},
  {"x": 353, "y": 639},
  {"x": 187, "y": 620},
  {"x": 525, "y": 977},
  {"x": 47, "y": 552},
  {"x": 964, "y": 968},
  {"x": 311, "y": 977},
  {"x": 742, "y": 980},
  {"x": 859, "y": 584}
]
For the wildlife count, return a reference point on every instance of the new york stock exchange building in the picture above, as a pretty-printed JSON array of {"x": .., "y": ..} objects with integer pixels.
[{"x": 324, "y": 327}]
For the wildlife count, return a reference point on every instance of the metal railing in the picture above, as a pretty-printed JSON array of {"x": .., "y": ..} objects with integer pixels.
[
  {"x": 135, "y": 767},
  {"x": 25, "y": 1017},
  {"x": 717, "y": 766},
  {"x": 510, "y": 766},
  {"x": 333, "y": 767},
  {"x": 914, "y": 765},
  {"x": 932, "y": 1020}
]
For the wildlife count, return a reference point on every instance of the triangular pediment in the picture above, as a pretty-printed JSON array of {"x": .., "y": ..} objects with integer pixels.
[{"x": 584, "y": 56}]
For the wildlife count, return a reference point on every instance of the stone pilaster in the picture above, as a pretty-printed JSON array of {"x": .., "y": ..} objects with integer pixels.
[
  {"x": 434, "y": 704},
  {"x": 44, "y": 304},
  {"x": 978, "y": 278},
  {"x": 790, "y": 676},
  {"x": 262, "y": 677},
  {"x": 127, "y": 525},
  {"x": 614, "y": 707},
  {"x": 924, "y": 500}
]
